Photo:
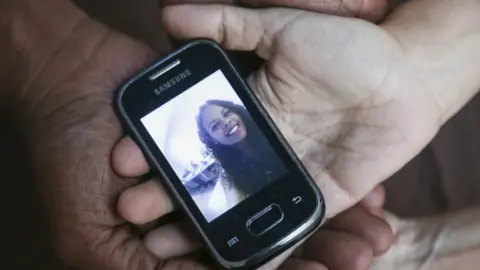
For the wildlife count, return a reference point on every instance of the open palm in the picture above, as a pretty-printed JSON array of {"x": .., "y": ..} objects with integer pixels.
[{"x": 336, "y": 87}]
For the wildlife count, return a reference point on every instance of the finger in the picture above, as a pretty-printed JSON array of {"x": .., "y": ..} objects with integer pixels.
[
  {"x": 339, "y": 250},
  {"x": 233, "y": 27},
  {"x": 301, "y": 264},
  {"x": 124, "y": 252},
  {"x": 278, "y": 260},
  {"x": 170, "y": 241},
  {"x": 128, "y": 160},
  {"x": 144, "y": 203},
  {"x": 374, "y": 200},
  {"x": 173, "y": 241},
  {"x": 372, "y": 10},
  {"x": 365, "y": 225}
]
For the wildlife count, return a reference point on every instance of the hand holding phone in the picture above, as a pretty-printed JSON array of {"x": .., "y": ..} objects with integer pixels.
[{"x": 221, "y": 156}]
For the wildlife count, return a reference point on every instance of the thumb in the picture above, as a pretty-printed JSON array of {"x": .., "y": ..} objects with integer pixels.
[{"x": 234, "y": 28}]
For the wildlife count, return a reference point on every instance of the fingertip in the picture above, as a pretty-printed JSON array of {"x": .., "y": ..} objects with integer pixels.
[
  {"x": 278, "y": 260},
  {"x": 179, "y": 20},
  {"x": 170, "y": 241},
  {"x": 128, "y": 160},
  {"x": 144, "y": 203},
  {"x": 380, "y": 234},
  {"x": 339, "y": 250},
  {"x": 126, "y": 206},
  {"x": 364, "y": 258},
  {"x": 375, "y": 199},
  {"x": 384, "y": 240},
  {"x": 191, "y": 21},
  {"x": 374, "y": 229},
  {"x": 363, "y": 254},
  {"x": 234, "y": 28},
  {"x": 373, "y": 10}
]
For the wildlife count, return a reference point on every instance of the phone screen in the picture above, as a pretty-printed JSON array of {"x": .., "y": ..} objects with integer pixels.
[{"x": 214, "y": 145}]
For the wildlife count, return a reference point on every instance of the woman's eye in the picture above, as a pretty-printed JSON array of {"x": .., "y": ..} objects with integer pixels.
[{"x": 215, "y": 126}]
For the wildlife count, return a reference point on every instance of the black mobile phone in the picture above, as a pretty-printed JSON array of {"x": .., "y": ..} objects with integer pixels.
[{"x": 221, "y": 156}]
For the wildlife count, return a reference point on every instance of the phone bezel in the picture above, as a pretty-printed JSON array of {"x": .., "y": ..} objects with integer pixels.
[{"x": 148, "y": 102}]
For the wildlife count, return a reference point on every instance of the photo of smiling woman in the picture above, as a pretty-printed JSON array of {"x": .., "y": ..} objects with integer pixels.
[
  {"x": 216, "y": 149},
  {"x": 234, "y": 139}
]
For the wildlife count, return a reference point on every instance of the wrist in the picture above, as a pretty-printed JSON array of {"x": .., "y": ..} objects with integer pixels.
[{"x": 31, "y": 34}]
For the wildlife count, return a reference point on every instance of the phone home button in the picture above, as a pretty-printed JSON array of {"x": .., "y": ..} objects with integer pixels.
[{"x": 265, "y": 220}]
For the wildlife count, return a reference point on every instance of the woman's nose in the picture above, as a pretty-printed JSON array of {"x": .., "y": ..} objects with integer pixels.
[{"x": 227, "y": 122}]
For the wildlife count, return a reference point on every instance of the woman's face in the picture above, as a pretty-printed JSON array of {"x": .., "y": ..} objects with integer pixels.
[{"x": 223, "y": 125}]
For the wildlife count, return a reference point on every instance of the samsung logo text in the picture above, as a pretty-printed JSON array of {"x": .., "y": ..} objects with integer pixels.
[{"x": 172, "y": 82}]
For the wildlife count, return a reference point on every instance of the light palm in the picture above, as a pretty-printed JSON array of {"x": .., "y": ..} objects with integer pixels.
[{"x": 336, "y": 87}]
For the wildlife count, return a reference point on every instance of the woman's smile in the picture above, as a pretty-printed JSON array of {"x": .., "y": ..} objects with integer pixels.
[
  {"x": 223, "y": 125},
  {"x": 231, "y": 131}
]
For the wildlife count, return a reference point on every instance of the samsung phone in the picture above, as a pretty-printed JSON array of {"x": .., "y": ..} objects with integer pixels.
[{"x": 220, "y": 156}]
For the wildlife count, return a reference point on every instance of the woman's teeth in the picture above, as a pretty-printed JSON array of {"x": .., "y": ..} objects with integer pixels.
[{"x": 233, "y": 130}]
